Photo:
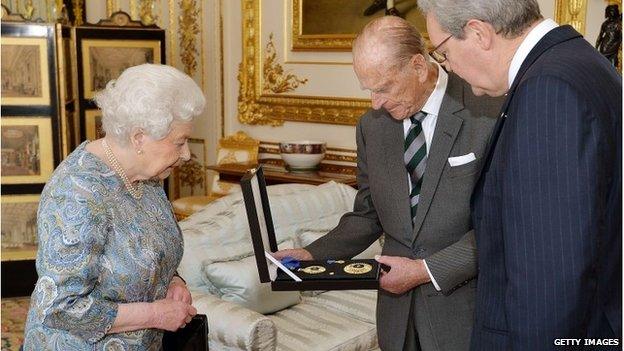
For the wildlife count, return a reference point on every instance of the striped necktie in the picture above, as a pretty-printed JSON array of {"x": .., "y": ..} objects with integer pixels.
[{"x": 415, "y": 158}]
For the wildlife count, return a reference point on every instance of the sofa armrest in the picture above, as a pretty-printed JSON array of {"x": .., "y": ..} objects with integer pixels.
[{"x": 234, "y": 327}]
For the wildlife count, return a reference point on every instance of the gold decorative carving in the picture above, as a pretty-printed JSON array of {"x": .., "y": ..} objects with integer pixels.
[
  {"x": 328, "y": 42},
  {"x": 257, "y": 108},
  {"x": 7, "y": 16},
  {"x": 134, "y": 10},
  {"x": 78, "y": 8},
  {"x": 145, "y": 12},
  {"x": 241, "y": 141},
  {"x": 572, "y": 12},
  {"x": 276, "y": 81},
  {"x": 189, "y": 28},
  {"x": 110, "y": 7},
  {"x": 122, "y": 19},
  {"x": 29, "y": 10},
  {"x": 172, "y": 31}
]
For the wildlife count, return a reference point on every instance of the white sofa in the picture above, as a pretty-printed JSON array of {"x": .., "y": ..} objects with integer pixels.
[{"x": 222, "y": 276}]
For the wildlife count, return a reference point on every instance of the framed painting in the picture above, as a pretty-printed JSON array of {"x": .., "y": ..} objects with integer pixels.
[
  {"x": 102, "y": 53},
  {"x": 19, "y": 227},
  {"x": 27, "y": 149},
  {"x": 331, "y": 25},
  {"x": 25, "y": 74},
  {"x": 93, "y": 120},
  {"x": 104, "y": 60}
]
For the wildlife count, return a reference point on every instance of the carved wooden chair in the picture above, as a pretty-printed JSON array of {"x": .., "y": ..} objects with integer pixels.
[{"x": 236, "y": 148}]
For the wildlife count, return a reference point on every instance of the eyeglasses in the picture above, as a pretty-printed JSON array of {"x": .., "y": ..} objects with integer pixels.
[{"x": 440, "y": 58}]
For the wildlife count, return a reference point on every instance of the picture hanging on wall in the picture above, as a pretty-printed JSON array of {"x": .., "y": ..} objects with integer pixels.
[
  {"x": 27, "y": 150},
  {"x": 25, "y": 76},
  {"x": 104, "y": 60}
]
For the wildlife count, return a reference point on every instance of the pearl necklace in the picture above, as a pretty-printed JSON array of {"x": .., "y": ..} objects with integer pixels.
[{"x": 135, "y": 191}]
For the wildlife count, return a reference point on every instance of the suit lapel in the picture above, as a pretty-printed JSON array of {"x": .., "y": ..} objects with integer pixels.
[
  {"x": 446, "y": 130},
  {"x": 554, "y": 37}
]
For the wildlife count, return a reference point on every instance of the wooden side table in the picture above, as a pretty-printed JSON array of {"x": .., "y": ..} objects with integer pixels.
[{"x": 279, "y": 175}]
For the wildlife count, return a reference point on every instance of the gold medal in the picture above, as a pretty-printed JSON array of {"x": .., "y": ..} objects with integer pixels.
[
  {"x": 358, "y": 268},
  {"x": 313, "y": 269}
]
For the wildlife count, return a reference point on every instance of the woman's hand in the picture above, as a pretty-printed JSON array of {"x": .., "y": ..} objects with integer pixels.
[
  {"x": 169, "y": 314},
  {"x": 178, "y": 291}
]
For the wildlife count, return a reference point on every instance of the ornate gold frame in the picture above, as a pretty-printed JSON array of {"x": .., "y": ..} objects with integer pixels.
[
  {"x": 572, "y": 12},
  {"x": 273, "y": 109},
  {"x": 309, "y": 42}
]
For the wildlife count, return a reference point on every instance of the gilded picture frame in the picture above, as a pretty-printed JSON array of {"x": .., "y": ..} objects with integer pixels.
[
  {"x": 19, "y": 227},
  {"x": 332, "y": 25},
  {"x": 256, "y": 107},
  {"x": 93, "y": 121},
  {"x": 27, "y": 149},
  {"x": 103, "y": 60},
  {"x": 25, "y": 73}
]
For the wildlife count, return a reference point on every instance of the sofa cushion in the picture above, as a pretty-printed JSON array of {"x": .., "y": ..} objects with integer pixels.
[
  {"x": 220, "y": 231},
  {"x": 238, "y": 282},
  {"x": 232, "y": 327},
  {"x": 358, "y": 304},
  {"x": 314, "y": 327}
]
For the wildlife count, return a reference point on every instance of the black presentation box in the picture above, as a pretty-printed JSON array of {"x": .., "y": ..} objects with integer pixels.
[{"x": 314, "y": 275}]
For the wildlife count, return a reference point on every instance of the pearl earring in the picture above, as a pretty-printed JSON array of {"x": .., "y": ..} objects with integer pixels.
[{"x": 139, "y": 151}]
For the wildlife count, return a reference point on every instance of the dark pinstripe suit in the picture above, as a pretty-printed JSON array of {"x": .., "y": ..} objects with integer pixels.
[{"x": 547, "y": 208}]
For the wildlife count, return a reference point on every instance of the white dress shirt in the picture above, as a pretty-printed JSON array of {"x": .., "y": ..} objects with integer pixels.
[
  {"x": 535, "y": 35},
  {"x": 432, "y": 109}
]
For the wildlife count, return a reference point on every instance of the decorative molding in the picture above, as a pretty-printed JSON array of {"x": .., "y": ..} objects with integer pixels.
[
  {"x": 78, "y": 9},
  {"x": 145, "y": 12},
  {"x": 240, "y": 140},
  {"x": 256, "y": 108},
  {"x": 111, "y": 6},
  {"x": 325, "y": 42},
  {"x": 172, "y": 31},
  {"x": 8, "y": 16},
  {"x": 122, "y": 19},
  {"x": 134, "y": 10},
  {"x": 275, "y": 80},
  {"x": 189, "y": 28},
  {"x": 572, "y": 12}
]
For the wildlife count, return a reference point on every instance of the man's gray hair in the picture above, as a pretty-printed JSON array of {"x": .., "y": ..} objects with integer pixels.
[
  {"x": 399, "y": 39},
  {"x": 508, "y": 17},
  {"x": 150, "y": 97}
]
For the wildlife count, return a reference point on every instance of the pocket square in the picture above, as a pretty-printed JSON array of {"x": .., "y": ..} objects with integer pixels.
[{"x": 461, "y": 160}]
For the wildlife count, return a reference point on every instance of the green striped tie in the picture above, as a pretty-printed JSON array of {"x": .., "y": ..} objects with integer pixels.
[{"x": 415, "y": 158}]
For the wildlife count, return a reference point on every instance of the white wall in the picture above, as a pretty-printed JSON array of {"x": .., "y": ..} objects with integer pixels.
[
  {"x": 231, "y": 12},
  {"x": 336, "y": 136}
]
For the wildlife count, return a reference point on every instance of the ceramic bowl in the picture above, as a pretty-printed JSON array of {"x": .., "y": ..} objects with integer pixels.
[{"x": 302, "y": 156}]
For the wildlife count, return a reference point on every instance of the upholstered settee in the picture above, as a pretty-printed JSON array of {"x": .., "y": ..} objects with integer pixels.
[{"x": 245, "y": 315}]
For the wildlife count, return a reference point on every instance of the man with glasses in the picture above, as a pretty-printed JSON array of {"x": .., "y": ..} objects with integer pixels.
[
  {"x": 548, "y": 207},
  {"x": 419, "y": 155}
]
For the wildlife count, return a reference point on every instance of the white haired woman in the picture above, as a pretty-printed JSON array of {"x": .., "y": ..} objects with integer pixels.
[{"x": 109, "y": 244}]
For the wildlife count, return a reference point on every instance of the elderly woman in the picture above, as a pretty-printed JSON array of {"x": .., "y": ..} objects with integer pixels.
[{"x": 109, "y": 244}]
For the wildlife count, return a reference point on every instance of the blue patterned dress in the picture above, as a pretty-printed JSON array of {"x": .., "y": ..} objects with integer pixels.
[{"x": 98, "y": 247}]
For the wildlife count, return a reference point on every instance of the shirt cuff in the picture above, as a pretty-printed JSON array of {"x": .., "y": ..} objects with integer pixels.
[{"x": 435, "y": 284}]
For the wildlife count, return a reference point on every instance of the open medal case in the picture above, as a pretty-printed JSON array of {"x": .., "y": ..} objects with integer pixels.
[{"x": 310, "y": 275}]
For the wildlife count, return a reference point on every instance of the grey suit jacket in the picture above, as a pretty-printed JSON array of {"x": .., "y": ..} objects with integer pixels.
[{"x": 442, "y": 233}]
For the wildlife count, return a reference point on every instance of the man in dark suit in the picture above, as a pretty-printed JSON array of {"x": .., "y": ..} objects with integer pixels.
[
  {"x": 547, "y": 209},
  {"x": 430, "y": 121}
]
